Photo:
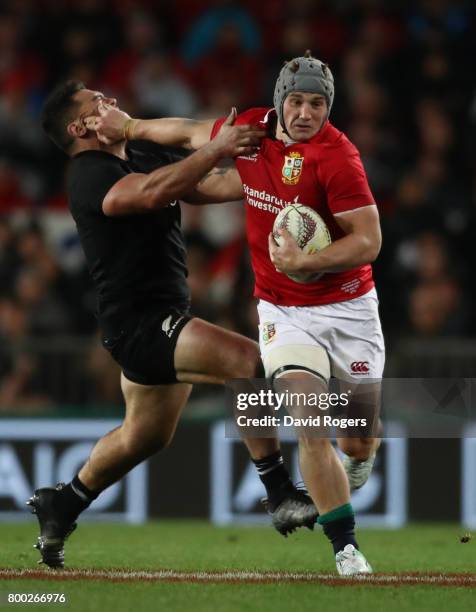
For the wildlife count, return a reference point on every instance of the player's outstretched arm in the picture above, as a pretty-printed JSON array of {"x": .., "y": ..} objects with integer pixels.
[
  {"x": 174, "y": 131},
  {"x": 359, "y": 246},
  {"x": 114, "y": 125},
  {"x": 136, "y": 193},
  {"x": 219, "y": 185}
]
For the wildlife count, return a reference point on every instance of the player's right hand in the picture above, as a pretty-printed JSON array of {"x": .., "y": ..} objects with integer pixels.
[
  {"x": 109, "y": 125},
  {"x": 233, "y": 140}
]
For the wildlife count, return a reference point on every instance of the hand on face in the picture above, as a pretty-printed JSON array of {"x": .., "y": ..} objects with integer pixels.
[
  {"x": 108, "y": 124},
  {"x": 286, "y": 257}
]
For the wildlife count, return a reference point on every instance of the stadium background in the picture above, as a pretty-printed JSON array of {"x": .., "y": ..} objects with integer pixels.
[{"x": 406, "y": 96}]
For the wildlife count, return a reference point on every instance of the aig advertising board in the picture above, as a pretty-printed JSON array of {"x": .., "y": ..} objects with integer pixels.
[{"x": 42, "y": 452}]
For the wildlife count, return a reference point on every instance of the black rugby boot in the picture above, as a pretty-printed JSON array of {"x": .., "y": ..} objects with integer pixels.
[
  {"x": 295, "y": 509},
  {"x": 54, "y": 527}
]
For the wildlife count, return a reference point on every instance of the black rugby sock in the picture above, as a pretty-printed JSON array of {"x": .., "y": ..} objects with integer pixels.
[
  {"x": 73, "y": 499},
  {"x": 275, "y": 478}
]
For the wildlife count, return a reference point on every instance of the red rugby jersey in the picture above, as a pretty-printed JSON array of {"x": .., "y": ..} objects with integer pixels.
[{"x": 325, "y": 173}]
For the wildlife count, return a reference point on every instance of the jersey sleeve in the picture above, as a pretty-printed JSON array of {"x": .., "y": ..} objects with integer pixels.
[
  {"x": 345, "y": 181},
  {"x": 93, "y": 182}
]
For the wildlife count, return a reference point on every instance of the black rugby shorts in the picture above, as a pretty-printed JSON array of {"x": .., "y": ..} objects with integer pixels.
[{"x": 146, "y": 352}]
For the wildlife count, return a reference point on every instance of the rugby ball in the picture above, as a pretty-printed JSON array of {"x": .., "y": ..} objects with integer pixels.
[{"x": 307, "y": 228}]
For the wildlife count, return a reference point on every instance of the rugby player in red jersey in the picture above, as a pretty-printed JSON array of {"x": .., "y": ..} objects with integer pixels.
[{"x": 329, "y": 327}]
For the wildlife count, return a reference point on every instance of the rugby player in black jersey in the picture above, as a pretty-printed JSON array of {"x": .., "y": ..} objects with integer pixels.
[{"x": 126, "y": 211}]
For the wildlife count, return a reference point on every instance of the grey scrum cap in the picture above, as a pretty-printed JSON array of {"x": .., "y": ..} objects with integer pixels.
[{"x": 306, "y": 74}]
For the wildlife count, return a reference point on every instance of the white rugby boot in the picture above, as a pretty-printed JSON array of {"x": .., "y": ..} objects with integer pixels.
[
  {"x": 351, "y": 561},
  {"x": 358, "y": 472}
]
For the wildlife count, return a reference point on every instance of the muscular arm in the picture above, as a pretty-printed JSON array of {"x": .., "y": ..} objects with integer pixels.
[
  {"x": 113, "y": 125},
  {"x": 219, "y": 185},
  {"x": 185, "y": 133},
  {"x": 135, "y": 193},
  {"x": 359, "y": 246}
]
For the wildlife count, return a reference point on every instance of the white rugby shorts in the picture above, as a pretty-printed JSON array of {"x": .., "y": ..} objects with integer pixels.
[{"x": 350, "y": 332}]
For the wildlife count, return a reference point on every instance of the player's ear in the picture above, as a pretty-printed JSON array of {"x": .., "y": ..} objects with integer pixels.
[{"x": 77, "y": 129}]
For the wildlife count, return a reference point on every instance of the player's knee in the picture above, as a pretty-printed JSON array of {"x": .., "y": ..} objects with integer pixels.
[
  {"x": 312, "y": 445},
  {"x": 288, "y": 359},
  {"x": 248, "y": 363},
  {"x": 163, "y": 440},
  {"x": 144, "y": 442},
  {"x": 357, "y": 448}
]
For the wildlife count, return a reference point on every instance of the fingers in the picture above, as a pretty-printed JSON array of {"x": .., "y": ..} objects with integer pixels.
[
  {"x": 250, "y": 131},
  {"x": 239, "y": 139},
  {"x": 287, "y": 239},
  {"x": 94, "y": 124},
  {"x": 231, "y": 117},
  {"x": 245, "y": 151},
  {"x": 254, "y": 138},
  {"x": 272, "y": 246},
  {"x": 251, "y": 138},
  {"x": 285, "y": 234},
  {"x": 91, "y": 123},
  {"x": 248, "y": 142}
]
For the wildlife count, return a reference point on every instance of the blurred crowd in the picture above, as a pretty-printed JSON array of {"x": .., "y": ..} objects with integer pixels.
[{"x": 405, "y": 95}]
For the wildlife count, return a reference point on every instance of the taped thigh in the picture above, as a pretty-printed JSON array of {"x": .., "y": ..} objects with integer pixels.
[{"x": 309, "y": 358}]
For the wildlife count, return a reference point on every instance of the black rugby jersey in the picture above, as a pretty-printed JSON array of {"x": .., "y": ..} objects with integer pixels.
[{"x": 137, "y": 262}]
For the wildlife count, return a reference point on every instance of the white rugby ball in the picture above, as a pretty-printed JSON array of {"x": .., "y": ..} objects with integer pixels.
[{"x": 308, "y": 229}]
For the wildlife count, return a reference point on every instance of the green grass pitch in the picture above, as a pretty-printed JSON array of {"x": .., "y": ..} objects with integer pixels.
[{"x": 198, "y": 546}]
